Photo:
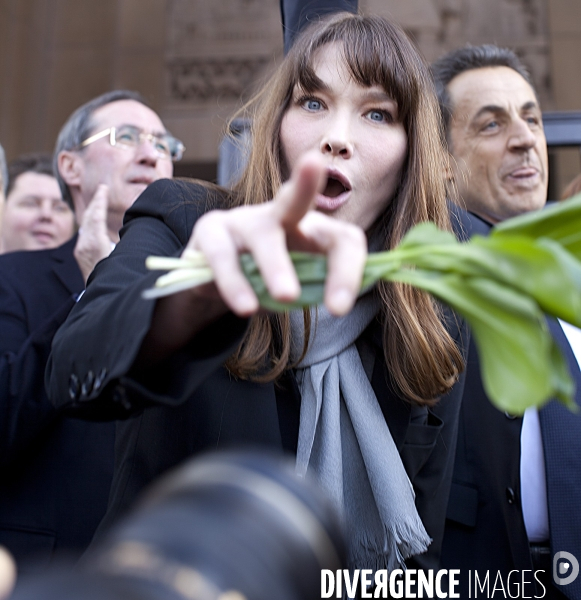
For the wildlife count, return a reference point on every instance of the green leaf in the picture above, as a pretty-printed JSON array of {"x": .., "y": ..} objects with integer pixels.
[
  {"x": 502, "y": 284},
  {"x": 559, "y": 222},
  {"x": 539, "y": 268},
  {"x": 520, "y": 364},
  {"x": 311, "y": 270},
  {"x": 427, "y": 233}
]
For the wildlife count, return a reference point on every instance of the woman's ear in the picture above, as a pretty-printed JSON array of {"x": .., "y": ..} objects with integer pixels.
[{"x": 70, "y": 166}]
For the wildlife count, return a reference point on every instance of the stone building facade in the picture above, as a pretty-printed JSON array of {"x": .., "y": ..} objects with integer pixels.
[{"x": 196, "y": 60}]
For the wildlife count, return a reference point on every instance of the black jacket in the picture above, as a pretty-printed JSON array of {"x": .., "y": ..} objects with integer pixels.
[
  {"x": 485, "y": 528},
  {"x": 55, "y": 473},
  {"x": 190, "y": 403}
]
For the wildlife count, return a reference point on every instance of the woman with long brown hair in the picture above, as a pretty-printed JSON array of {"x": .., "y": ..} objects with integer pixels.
[{"x": 365, "y": 391}]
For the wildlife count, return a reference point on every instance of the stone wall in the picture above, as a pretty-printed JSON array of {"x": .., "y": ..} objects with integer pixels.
[
  {"x": 215, "y": 54},
  {"x": 442, "y": 25},
  {"x": 196, "y": 59},
  {"x": 57, "y": 54}
]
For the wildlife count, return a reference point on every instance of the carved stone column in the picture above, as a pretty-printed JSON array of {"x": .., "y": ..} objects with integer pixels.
[{"x": 216, "y": 52}]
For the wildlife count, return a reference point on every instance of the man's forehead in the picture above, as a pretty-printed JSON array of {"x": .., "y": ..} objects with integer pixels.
[
  {"x": 127, "y": 112},
  {"x": 29, "y": 176},
  {"x": 502, "y": 88}
]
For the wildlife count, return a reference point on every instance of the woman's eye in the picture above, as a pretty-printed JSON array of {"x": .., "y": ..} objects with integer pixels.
[
  {"x": 376, "y": 115},
  {"x": 312, "y": 104},
  {"x": 379, "y": 116}
]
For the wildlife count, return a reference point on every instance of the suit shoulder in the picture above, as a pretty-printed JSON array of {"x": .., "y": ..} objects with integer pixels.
[
  {"x": 22, "y": 258},
  {"x": 30, "y": 273},
  {"x": 30, "y": 258},
  {"x": 26, "y": 263}
]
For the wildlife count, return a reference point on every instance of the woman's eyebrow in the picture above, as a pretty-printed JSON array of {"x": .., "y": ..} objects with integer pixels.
[
  {"x": 315, "y": 84},
  {"x": 379, "y": 96}
]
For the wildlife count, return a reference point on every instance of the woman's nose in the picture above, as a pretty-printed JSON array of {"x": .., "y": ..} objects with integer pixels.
[{"x": 337, "y": 142}]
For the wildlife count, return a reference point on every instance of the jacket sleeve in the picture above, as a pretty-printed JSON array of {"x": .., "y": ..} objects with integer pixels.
[
  {"x": 25, "y": 411},
  {"x": 89, "y": 372}
]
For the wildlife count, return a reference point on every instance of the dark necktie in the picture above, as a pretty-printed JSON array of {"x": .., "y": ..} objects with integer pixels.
[{"x": 561, "y": 433}]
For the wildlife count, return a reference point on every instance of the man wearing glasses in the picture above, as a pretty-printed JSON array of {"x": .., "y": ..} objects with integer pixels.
[
  {"x": 55, "y": 472},
  {"x": 115, "y": 141}
]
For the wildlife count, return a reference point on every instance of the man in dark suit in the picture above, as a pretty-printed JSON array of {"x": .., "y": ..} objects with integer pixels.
[
  {"x": 55, "y": 473},
  {"x": 512, "y": 507}
]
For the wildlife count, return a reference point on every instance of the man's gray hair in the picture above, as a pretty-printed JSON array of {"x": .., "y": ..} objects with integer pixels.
[
  {"x": 3, "y": 170},
  {"x": 78, "y": 128},
  {"x": 469, "y": 58}
]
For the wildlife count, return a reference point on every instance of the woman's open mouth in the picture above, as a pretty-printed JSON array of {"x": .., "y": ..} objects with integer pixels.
[{"x": 336, "y": 193}]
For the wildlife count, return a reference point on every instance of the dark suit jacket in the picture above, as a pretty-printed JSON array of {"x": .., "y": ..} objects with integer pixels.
[
  {"x": 55, "y": 473},
  {"x": 485, "y": 529},
  {"x": 190, "y": 403}
]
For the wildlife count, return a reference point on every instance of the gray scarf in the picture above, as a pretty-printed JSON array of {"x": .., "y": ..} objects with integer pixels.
[{"x": 345, "y": 441}]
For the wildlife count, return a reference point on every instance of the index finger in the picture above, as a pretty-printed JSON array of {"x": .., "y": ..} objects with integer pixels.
[
  {"x": 297, "y": 195},
  {"x": 97, "y": 208}
]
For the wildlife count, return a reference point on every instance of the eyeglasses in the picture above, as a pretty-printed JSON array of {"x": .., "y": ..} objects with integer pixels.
[{"x": 128, "y": 136}]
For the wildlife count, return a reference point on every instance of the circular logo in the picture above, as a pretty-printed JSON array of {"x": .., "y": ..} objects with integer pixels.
[{"x": 565, "y": 568}]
